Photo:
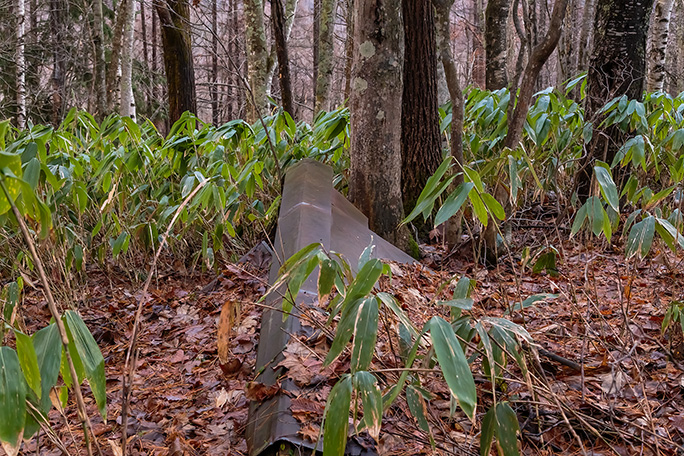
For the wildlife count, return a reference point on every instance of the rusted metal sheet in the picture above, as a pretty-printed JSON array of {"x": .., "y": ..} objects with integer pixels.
[{"x": 311, "y": 211}]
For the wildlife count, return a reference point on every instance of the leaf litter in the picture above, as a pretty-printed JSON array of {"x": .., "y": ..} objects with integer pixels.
[{"x": 626, "y": 398}]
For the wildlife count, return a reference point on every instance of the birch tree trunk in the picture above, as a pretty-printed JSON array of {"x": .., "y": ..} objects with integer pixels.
[
  {"x": 20, "y": 65},
  {"x": 657, "y": 45},
  {"x": 375, "y": 104},
  {"x": 257, "y": 58},
  {"x": 496, "y": 43},
  {"x": 326, "y": 29},
  {"x": 127, "y": 108}
]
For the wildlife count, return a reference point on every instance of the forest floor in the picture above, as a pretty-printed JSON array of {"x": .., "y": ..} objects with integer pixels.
[{"x": 606, "y": 375}]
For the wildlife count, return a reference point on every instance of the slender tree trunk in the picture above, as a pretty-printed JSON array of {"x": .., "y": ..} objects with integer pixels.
[
  {"x": 278, "y": 19},
  {"x": 20, "y": 65},
  {"x": 540, "y": 54},
  {"x": 375, "y": 173},
  {"x": 257, "y": 57},
  {"x": 479, "y": 62},
  {"x": 496, "y": 43},
  {"x": 586, "y": 34},
  {"x": 214, "y": 64},
  {"x": 566, "y": 66},
  {"x": 617, "y": 67},
  {"x": 127, "y": 108},
  {"x": 100, "y": 76},
  {"x": 657, "y": 46},
  {"x": 115, "y": 59},
  {"x": 421, "y": 151},
  {"x": 316, "y": 45},
  {"x": 290, "y": 11},
  {"x": 326, "y": 29},
  {"x": 153, "y": 66},
  {"x": 442, "y": 22},
  {"x": 174, "y": 18},
  {"x": 349, "y": 49},
  {"x": 58, "y": 12},
  {"x": 146, "y": 54}
]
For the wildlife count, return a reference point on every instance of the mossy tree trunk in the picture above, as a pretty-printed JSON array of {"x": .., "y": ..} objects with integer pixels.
[{"x": 375, "y": 104}]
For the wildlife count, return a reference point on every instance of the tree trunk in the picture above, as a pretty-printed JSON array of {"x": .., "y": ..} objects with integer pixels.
[
  {"x": 326, "y": 29},
  {"x": 540, "y": 55},
  {"x": 257, "y": 57},
  {"x": 617, "y": 67},
  {"x": 278, "y": 19},
  {"x": 20, "y": 65},
  {"x": 100, "y": 77},
  {"x": 496, "y": 43},
  {"x": 479, "y": 63},
  {"x": 174, "y": 18},
  {"x": 657, "y": 45},
  {"x": 214, "y": 65},
  {"x": 58, "y": 13},
  {"x": 127, "y": 108},
  {"x": 375, "y": 172},
  {"x": 586, "y": 33},
  {"x": 349, "y": 49},
  {"x": 115, "y": 59},
  {"x": 442, "y": 22},
  {"x": 421, "y": 152}
]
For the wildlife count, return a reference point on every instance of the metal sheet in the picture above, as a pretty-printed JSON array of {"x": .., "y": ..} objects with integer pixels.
[{"x": 311, "y": 211}]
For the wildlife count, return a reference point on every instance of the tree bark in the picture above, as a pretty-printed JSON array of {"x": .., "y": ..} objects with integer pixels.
[
  {"x": 127, "y": 108},
  {"x": 479, "y": 63},
  {"x": 214, "y": 65},
  {"x": 278, "y": 19},
  {"x": 421, "y": 152},
  {"x": 20, "y": 65},
  {"x": 617, "y": 67},
  {"x": 257, "y": 57},
  {"x": 174, "y": 18},
  {"x": 496, "y": 43},
  {"x": 324, "y": 69},
  {"x": 349, "y": 49},
  {"x": 586, "y": 33},
  {"x": 115, "y": 59},
  {"x": 442, "y": 23},
  {"x": 657, "y": 46},
  {"x": 375, "y": 172},
  {"x": 58, "y": 13},
  {"x": 100, "y": 77}
]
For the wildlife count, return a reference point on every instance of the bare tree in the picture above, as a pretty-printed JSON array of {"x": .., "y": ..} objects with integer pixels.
[
  {"x": 127, "y": 107},
  {"x": 257, "y": 56},
  {"x": 20, "y": 65},
  {"x": 100, "y": 76},
  {"x": 279, "y": 31},
  {"x": 324, "y": 58},
  {"x": 586, "y": 33}
]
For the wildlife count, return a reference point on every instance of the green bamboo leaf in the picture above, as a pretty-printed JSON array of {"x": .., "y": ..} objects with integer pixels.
[
  {"x": 336, "y": 418},
  {"x": 365, "y": 334},
  {"x": 460, "y": 303},
  {"x": 478, "y": 207},
  {"x": 453, "y": 203},
  {"x": 608, "y": 188},
  {"x": 507, "y": 429},
  {"x": 28, "y": 361},
  {"x": 454, "y": 365},
  {"x": 91, "y": 357},
  {"x": 345, "y": 329},
  {"x": 326, "y": 279},
  {"x": 10, "y": 172},
  {"x": 367, "y": 388},
  {"x": 12, "y": 401},
  {"x": 494, "y": 206},
  {"x": 391, "y": 302},
  {"x": 487, "y": 434},
  {"x": 418, "y": 408},
  {"x": 640, "y": 238}
]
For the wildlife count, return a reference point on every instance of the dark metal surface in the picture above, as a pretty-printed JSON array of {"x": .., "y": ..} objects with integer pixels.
[{"x": 311, "y": 211}]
